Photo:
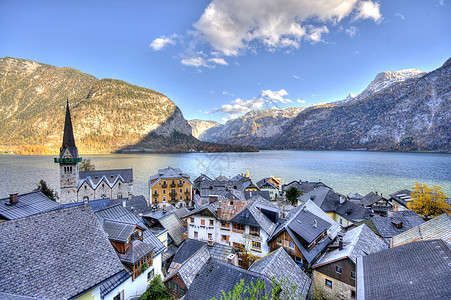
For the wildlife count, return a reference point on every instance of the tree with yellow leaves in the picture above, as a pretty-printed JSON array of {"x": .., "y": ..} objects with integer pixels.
[{"x": 428, "y": 202}]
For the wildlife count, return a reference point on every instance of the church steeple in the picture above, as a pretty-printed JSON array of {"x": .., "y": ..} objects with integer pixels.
[{"x": 68, "y": 137}]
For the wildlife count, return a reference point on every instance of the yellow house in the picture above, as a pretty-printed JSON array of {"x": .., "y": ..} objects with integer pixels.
[{"x": 170, "y": 186}]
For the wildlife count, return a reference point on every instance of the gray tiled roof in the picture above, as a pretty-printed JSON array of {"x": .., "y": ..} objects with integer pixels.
[
  {"x": 220, "y": 251},
  {"x": 302, "y": 186},
  {"x": 169, "y": 173},
  {"x": 352, "y": 212},
  {"x": 95, "y": 204},
  {"x": 280, "y": 265},
  {"x": 137, "y": 204},
  {"x": 370, "y": 198},
  {"x": 93, "y": 178},
  {"x": 401, "y": 197},
  {"x": 187, "y": 249},
  {"x": 385, "y": 225},
  {"x": 117, "y": 230},
  {"x": 55, "y": 255},
  {"x": 6, "y": 296},
  {"x": 322, "y": 196},
  {"x": 29, "y": 204},
  {"x": 303, "y": 225},
  {"x": 169, "y": 252},
  {"x": 120, "y": 213},
  {"x": 218, "y": 276},
  {"x": 136, "y": 252},
  {"x": 357, "y": 242},
  {"x": 181, "y": 212},
  {"x": 266, "y": 183},
  {"x": 174, "y": 226},
  {"x": 113, "y": 282},
  {"x": 250, "y": 194},
  {"x": 417, "y": 270},
  {"x": 252, "y": 216}
]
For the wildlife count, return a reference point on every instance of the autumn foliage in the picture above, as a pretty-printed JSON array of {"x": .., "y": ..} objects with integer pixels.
[{"x": 428, "y": 202}]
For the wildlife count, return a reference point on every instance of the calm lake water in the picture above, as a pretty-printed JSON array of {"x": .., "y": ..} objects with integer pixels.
[{"x": 345, "y": 171}]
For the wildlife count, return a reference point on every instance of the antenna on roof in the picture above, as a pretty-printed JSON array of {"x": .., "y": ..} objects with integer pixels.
[{"x": 315, "y": 224}]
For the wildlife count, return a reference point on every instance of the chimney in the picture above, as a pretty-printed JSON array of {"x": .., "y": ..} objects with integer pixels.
[
  {"x": 219, "y": 209},
  {"x": 315, "y": 224},
  {"x": 130, "y": 196},
  {"x": 340, "y": 241},
  {"x": 164, "y": 210},
  {"x": 124, "y": 203},
  {"x": 342, "y": 200},
  {"x": 13, "y": 198},
  {"x": 231, "y": 200}
]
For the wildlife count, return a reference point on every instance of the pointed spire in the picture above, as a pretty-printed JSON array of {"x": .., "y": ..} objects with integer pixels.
[{"x": 68, "y": 137}]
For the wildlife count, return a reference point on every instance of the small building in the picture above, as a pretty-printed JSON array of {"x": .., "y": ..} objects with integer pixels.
[
  {"x": 436, "y": 228},
  {"x": 390, "y": 226},
  {"x": 61, "y": 254},
  {"x": 162, "y": 219},
  {"x": 24, "y": 205},
  {"x": 305, "y": 234},
  {"x": 170, "y": 186},
  {"x": 378, "y": 204},
  {"x": 335, "y": 272},
  {"x": 302, "y": 186},
  {"x": 272, "y": 185},
  {"x": 417, "y": 270}
]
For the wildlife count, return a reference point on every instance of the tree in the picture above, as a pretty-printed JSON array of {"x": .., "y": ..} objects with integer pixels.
[
  {"x": 156, "y": 290},
  {"x": 428, "y": 202},
  {"x": 257, "y": 291},
  {"x": 86, "y": 165},
  {"x": 292, "y": 195},
  {"x": 46, "y": 190}
]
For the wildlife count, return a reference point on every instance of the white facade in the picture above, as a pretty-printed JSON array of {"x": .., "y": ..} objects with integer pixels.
[
  {"x": 138, "y": 286},
  {"x": 205, "y": 228}
]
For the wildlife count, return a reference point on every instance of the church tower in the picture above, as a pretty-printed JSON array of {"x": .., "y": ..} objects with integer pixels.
[{"x": 68, "y": 161}]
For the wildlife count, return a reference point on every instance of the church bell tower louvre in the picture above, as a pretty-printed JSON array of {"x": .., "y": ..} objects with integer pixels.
[{"x": 68, "y": 160}]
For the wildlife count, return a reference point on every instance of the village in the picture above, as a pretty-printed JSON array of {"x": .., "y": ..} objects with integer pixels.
[{"x": 203, "y": 236}]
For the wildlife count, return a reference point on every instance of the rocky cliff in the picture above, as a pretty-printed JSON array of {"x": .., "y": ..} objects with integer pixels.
[{"x": 199, "y": 126}]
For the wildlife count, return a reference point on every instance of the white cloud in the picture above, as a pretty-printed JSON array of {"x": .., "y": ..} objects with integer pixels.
[
  {"x": 225, "y": 93},
  {"x": 296, "y": 77},
  {"x": 315, "y": 33},
  {"x": 233, "y": 27},
  {"x": 194, "y": 62},
  {"x": 266, "y": 98},
  {"x": 224, "y": 119},
  {"x": 161, "y": 42},
  {"x": 351, "y": 31},
  {"x": 300, "y": 101},
  {"x": 399, "y": 15},
  {"x": 218, "y": 61},
  {"x": 369, "y": 10}
]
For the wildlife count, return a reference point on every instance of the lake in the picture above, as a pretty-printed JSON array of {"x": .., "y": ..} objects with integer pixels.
[{"x": 345, "y": 171}]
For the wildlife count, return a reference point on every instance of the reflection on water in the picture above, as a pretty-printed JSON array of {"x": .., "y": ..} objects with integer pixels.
[{"x": 345, "y": 171}]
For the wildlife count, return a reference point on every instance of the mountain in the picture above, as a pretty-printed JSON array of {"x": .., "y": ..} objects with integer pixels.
[
  {"x": 108, "y": 115},
  {"x": 409, "y": 115},
  {"x": 257, "y": 128},
  {"x": 199, "y": 126}
]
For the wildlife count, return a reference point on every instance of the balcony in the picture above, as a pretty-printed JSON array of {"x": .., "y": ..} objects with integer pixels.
[
  {"x": 164, "y": 185},
  {"x": 67, "y": 160},
  {"x": 155, "y": 194},
  {"x": 180, "y": 184},
  {"x": 173, "y": 184}
]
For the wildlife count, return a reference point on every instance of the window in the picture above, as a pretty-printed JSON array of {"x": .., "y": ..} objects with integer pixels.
[
  {"x": 150, "y": 275},
  {"x": 164, "y": 191},
  {"x": 186, "y": 190},
  {"x": 85, "y": 198},
  {"x": 352, "y": 294},
  {"x": 181, "y": 190},
  {"x": 191, "y": 220},
  {"x": 211, "y": 223},
  {"x": 279, "y": 241},
  {"x": 119, "y": 185},
  {"x": 328, "y": 283},
  {"x": 119, "y": 296},
  {"x": 195, "y": 234},
  {"x": 341, "y": 221},
  {"x": 182, "y": 291},
  {"x": 86, "y": 187},
  {"x": 353, "y": 275},
  {"x": 338, "y": 269},
  {"x": 181, "y": 197},
  {"x": 174, "y": 287},
  {"x": 103, "y": 185},
  {"x": 202, "y": 222},
  {"x": 164, "y": 198},
  {"x": 119, "y": 196},
  {"x": 238, "y": 226},
  {"x": 210, "y": 236},
  {"x": 254, "y": 230},
  {"x": 103, "y": 196},
  {"x": 291, "y": 245},
  {"x": 256, "y": 245},
  {"x": 135, "y": 235}
]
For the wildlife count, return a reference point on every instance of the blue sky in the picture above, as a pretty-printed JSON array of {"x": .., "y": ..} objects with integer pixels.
[{"x": 218, "y": 59}]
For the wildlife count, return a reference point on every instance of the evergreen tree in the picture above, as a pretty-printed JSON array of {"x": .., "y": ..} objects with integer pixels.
[
  {"x": 156, "y": 291},
  {"x": 292, "y": 195},
  {"x": 86, "y": 165},
  {"x": 46, "y": 190}
]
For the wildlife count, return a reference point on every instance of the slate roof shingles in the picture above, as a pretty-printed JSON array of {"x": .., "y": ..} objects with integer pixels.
[
  {"x": 41, "y": 252},
  {"x": 29, "y": 204}
]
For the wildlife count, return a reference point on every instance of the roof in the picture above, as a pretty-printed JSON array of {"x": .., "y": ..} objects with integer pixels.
[
  {"x": 308, "y": 226},
  {"x": 95, "y": 204},
  {"x": 217, "y": 276},
  {"x": 94, "y": 178},
  {"x": 322, "y": 196},
  {"x": 370, "y": 198},
  {"x": 385, "y": 226},
  {"x": 252, "y": 216},
  {"x": 229, "y": 209},
  {"x": 265, "y": 182},
  {"x": 417, "y": 270},
  {"x": 302, "y": 186},
  {"x": 170, "y": 222},
  {"x": 120, "y": 213},
  {"x": 280, "y": 265},
  {"x": 137, "y": 204},
  {"x": 170, "y": 173},
  {"x": 187, "y": 249},
  {"x": 29, "y": 204},
  {"x": 437, "y": 228},
  {"x": 220, "y": 251},
  {"x": 296, "y": 214},
  {"x": 401, "y": 197},
  {"x": 250, "y": 194},
  {"x": 41, "y": 252},
  {"x": 357, "y": 242},
  {"x": 136, "y": 252},
  {"x": 181, "y": 212},
  {"x": 352, "y": 212},
  {"x": 68, "y": 135},
  {"x": 119, "y": 231},
  {"x": 113, "y": 282},
  {"x": 169, "y": 252}
]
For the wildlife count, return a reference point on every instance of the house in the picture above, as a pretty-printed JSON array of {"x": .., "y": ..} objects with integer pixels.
[
  {"x": 280, "y": 265},
  {"x": 378, "y": 204},
  {"x": 78, "y": 186},
  {"x": 136, "y": 204},
  {"x": 113, "y": 184},
  {"x": 305, "y": 234},
  {"x": 61, "y": 254},
  {"x": 436, "y": 228},
  {"x": 390, "y": 226},
  {"x": 302, "y": 186},
  {"x": 417, "y": 270},
  {"x": 135, "y": 246},
  {"x": 400, "y": 200},
  {"x": 272, "y": 185},
  {"x": 166, "y": 220},
  {"x": 170, "y": 185},
  {"x": 221, "y": 185},
  {"x": 337, "y": 207},
  {"x": 24, "y": 205},
  {"x": 335, "y": 272}
]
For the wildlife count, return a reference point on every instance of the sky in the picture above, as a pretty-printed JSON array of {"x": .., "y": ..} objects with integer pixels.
[{"x": 219, "y": 59}]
